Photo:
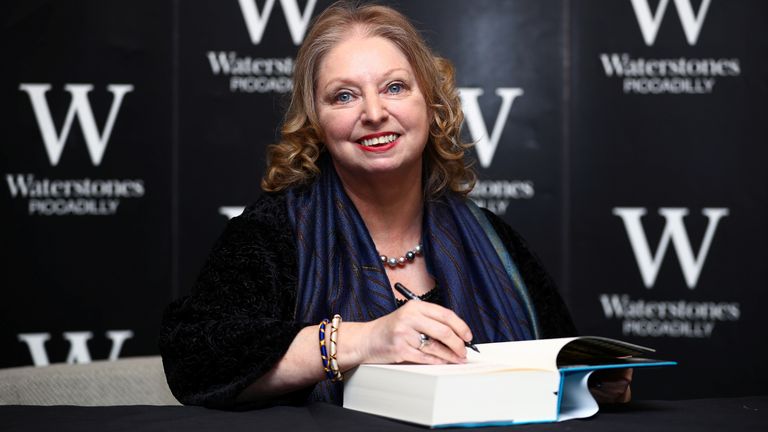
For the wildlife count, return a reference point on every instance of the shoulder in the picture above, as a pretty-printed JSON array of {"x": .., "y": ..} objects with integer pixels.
[
  {"x": 268, "y": 209},
  {"x": 266, "y": 216},
  {"x": 261, "y": 229}
]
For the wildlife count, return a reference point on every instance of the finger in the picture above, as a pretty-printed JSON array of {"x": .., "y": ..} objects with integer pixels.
[
  {"x": 438, "y": 323},
  {"x": 448, "y": 318},
  {"x": 430, "y": 351},
  {"x": 444, "y": 336},
  {"x": 623, "y": 375},
  {"x": 412, "y": 350},
  {"x": 421, "y": 357},
  {"x": 627, "y": 396},
  {"x": 439, "y": 350},
  {"x": 611, "y": 391},
  {"x": 628, "y": 374}
]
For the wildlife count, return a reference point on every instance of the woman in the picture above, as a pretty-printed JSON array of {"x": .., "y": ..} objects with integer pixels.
[{"x": 366, "y": 188}]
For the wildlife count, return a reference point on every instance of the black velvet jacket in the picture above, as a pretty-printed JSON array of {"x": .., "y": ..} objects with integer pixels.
[{"x": 239, "y": 322}]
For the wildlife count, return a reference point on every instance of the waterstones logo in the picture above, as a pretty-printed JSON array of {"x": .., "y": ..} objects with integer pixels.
[
  {"x": 675, "y": 319},
  {"x": 85, "y": 196},
  {"x": 77, "y": 197},
  {"x": 252, "y": 75},
  {"x": 671, "y": 74},
  {"x": 681, "y": 75},
  {"x": 495, "y": 195},
  {"x": 247, "y": 74},
  {"x": 492, "y": 194},
  {"x": 664, "y": 318}
]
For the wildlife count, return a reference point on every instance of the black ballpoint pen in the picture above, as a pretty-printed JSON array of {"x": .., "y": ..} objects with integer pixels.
[{"x": 411, "y": 296}]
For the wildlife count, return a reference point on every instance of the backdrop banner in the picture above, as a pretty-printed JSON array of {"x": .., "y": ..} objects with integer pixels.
[
  {"x": 624, "y": 139},
  {"x": 87, "y": 175},
  {"x": 668, "y": 186}
]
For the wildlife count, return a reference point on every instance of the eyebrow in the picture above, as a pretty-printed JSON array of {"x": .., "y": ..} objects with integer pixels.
[{"x": 386, "y": 74}]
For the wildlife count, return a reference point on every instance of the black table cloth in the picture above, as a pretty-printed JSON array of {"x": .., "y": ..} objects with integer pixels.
[{"x": 698, "y": 415}]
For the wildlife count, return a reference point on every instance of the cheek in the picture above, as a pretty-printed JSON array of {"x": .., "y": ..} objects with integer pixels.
[
  {"x": 337, "y": 126},
  {"x": 421, "y": 118},
  {"x": 419, "y": 112}
]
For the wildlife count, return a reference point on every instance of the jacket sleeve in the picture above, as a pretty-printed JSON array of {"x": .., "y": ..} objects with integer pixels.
[
  {"x": 238, "y": 322},
  {"x": 554, "y": 318}
]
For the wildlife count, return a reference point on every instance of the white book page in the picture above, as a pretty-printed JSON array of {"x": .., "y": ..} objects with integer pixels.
[
  {"x": 497, "y": 357},
  {"x": 533, "y": 354},
  {"x": 538, "y": 354}
]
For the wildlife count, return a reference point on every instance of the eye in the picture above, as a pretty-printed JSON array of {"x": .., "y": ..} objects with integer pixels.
[
  {"x": 395, "y": 88},
  {"x": 343, "y": 97}
]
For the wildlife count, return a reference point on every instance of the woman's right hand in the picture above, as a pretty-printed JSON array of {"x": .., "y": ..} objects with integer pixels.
[{"x": 395, "y": 338}]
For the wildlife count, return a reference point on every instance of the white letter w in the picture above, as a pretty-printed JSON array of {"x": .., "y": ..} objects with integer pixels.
[
  {"x": 649, "y": 24},
  {"x": 485, "y": 144},
  {"x": 257, "y": 22},
  {"x": 80, "y": 107},
  {"x": 673, "y": 230}
]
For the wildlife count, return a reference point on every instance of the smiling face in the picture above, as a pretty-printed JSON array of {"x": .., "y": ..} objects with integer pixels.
[{"x": 372, "y": 112}]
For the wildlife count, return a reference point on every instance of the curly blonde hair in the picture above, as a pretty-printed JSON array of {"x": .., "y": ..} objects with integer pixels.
[{"x": 292, "y": 161}]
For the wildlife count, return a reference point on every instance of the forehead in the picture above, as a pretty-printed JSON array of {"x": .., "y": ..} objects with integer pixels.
[{"x": 361, "y": 58}]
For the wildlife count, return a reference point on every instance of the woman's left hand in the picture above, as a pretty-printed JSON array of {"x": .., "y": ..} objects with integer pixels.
[{"x": 611, "y": 385}]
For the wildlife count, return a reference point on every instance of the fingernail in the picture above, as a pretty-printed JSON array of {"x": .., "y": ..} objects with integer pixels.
[{"x": 468, "y": 337}]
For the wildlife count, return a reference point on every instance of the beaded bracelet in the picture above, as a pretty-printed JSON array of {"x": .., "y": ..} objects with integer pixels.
[
  {"x": 334, "y": 365},
  {"x": 323, "y": 352}
]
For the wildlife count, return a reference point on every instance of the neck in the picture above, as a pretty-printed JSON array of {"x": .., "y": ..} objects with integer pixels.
[{"x": 391, "y": 207}]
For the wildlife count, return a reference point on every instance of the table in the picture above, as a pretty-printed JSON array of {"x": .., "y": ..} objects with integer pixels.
[{"x": 697, "y": 415}]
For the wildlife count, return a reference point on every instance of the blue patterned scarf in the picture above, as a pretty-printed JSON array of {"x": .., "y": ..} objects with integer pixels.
[{"x": 340, "y": 271}]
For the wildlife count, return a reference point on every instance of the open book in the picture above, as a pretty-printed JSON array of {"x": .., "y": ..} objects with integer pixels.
[{"x": 507, "y": 383}]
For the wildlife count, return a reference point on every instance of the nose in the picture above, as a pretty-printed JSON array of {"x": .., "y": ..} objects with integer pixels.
[{"x": 374, "y": 110}]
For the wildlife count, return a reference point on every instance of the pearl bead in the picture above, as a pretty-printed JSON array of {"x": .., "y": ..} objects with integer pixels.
[{"x": 409, "y": 256}]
